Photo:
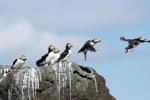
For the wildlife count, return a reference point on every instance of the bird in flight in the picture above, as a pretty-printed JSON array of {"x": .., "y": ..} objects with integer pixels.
[
  {"x": 89, "y": 46},
  {"x": 132, "y": 43}
]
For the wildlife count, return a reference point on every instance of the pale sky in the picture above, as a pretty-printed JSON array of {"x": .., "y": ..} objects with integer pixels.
[{"x": 30, "y": 26}]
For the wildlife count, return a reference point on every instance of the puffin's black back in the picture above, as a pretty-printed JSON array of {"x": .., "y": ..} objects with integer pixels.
[
  {"x": 63, "y": 54},
  {"x": 14, "y": 62},
  {"x": 87, "y": 46},
  {"x": 38, "y": 62}
]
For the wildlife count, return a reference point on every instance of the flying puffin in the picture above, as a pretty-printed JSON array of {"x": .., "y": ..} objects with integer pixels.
[
  {"x": 46, "y": 59},
  {"x": 132, "y": 43},
  {"x": 56, "y": 56},
  {"x": 89, "y": 46},
  {"x": 67, "y": 52},
  {"x": 19, "y": 62}
]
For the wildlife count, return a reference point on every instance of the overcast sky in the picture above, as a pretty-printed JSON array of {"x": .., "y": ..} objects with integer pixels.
[{"x": 30, "y": 26}]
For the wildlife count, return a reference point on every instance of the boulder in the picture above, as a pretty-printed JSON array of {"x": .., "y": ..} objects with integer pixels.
[{"x": 61, "y": 81}]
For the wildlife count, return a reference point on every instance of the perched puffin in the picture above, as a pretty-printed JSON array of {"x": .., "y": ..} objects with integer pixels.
[
  {"x": 46, "y": 59},
  {"x": 132, "y": 43},
  {"x": 56, "y": 56},
  {"x": 64, "y": 55},
  {"x": 19, "y": 62},
  {"x": 4, "y": 73},
  {"x": 89, "y": 46}
]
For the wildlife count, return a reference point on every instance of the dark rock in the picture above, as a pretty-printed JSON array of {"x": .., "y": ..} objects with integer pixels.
[{"x": 61, "y": 81}]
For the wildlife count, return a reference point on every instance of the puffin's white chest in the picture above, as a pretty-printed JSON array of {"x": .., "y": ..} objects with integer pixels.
[
  {"x": 49, "y": 57},
  {"x": 55, "y": 58},
  {"x": 19, "y": 63},
  {"x": 92, "y": 43}
]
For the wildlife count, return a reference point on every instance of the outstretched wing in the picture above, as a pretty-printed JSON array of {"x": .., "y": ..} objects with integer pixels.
[
  {"x": 122, "y": 38},
  {"x": 91, "y": 48},
  {"x": 84, "y": 47},
  {"x": 148, "y": 41},
  {"x": 87, "y": 46}
]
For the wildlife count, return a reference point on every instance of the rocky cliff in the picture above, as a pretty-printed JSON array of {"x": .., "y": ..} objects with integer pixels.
[{"x": 61, "y": 81}]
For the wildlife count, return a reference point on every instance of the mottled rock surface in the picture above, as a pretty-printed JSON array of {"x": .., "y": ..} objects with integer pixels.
[{"x": 61, "y": 81}]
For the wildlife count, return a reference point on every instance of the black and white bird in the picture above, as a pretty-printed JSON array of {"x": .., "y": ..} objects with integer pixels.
[
  {"x": 56, "y": 56},
  {"x": 67, "y": 52},
  {"x": 17, "y": 63},
  {"x": 4, "y": 73},
  {"x": 89, "y": 46},
  {"x": 46, "y": 59},
  {"x": 132, "y": 43}
]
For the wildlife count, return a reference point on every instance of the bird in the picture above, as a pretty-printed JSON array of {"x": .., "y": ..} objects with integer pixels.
[
  {"x": 4, "y": 73},
  {"x": 46, "y": 59},
  {"x": 132, "y": 43},
  {"x": 89, "y": 46},
  {"x": 56, "y": 56},
  {"x": 67, "y": 52},
  {"x": 17, "y": 63}
]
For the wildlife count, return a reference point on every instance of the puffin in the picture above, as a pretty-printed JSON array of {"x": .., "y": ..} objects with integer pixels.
[
  {"x": 17, "y": 63},
  {"x": 67, "y": 52},
  {"x": 46, "y": 59},
  {"x": 132, "y": 43},
  {"x": 56, "y": 56},
  {"x": 89, "y": 46}
]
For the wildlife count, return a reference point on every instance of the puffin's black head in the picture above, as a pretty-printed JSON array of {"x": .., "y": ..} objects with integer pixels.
[
  {"x": 51, "y": 48},
  {"x": 23, "y": 57},
  {"x": 69, "y": 45},
  {"x": 96, "y": 40}
]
